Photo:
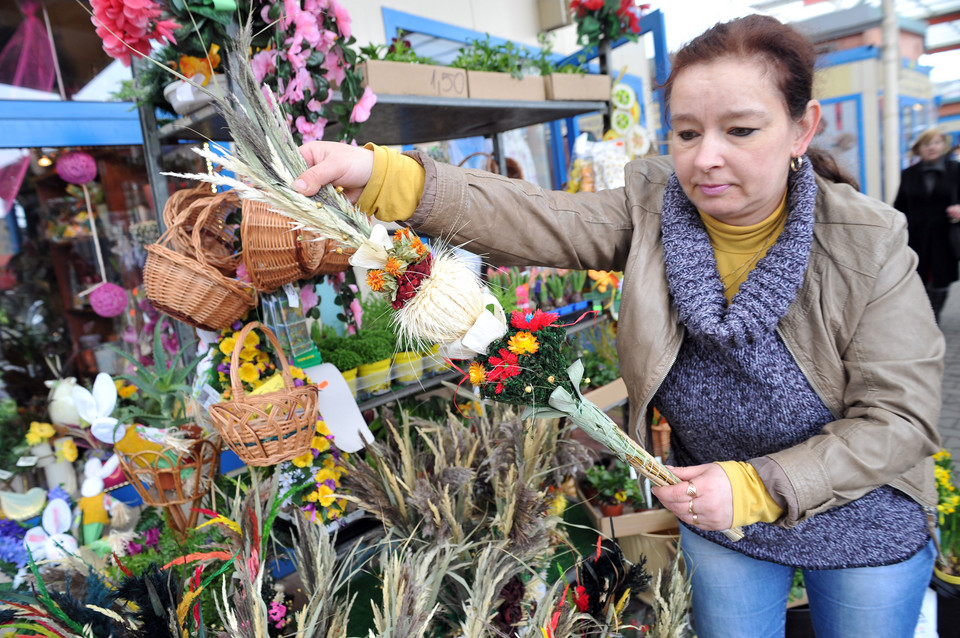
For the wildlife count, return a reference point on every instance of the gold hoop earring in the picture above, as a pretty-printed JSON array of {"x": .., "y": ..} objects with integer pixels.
[{"x": 796, "y": 163}]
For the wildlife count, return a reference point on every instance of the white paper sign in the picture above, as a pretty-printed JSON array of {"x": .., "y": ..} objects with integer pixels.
[{"x": 339, "y": 410}]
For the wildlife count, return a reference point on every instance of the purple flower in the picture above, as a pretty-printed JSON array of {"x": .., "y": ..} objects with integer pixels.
[
  {"x": 151, "y": 537},
  {"x": 9, "y": 528},
  {"x": 236, "y": 325},
  {"x": 298, "y": 382},
  {"x": 224, "y": 368},
  {"x": 134, "y": 548}
]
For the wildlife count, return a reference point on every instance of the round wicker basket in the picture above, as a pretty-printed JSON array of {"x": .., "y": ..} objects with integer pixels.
[
  {"x": 217, "y": 238},
  {"x": 270, "y": 428}
]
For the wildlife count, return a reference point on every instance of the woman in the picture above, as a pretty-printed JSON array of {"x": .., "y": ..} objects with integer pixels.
[
  {"x": 928, "y": 197},
  {"x": 764, "y": 312}
]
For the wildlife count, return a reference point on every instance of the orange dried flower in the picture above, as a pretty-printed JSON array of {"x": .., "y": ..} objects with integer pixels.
[
  {"x": 375, "y": 280},
  {"x": 401, "y": 234},
  {"x": 394, "y": 266}
]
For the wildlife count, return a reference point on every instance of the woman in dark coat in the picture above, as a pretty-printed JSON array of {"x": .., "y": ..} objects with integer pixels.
[{"x": 928, "y": 197}]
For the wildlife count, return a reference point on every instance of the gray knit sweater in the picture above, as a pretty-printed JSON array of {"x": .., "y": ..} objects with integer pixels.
[{"x": 735, "y": 392}]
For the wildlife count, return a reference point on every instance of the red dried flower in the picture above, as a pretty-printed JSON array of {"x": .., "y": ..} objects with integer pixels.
[{"x": 534, "y": 322}]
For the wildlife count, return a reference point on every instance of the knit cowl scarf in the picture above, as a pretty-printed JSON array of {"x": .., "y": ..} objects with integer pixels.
[{"x": 736, "y": 393}]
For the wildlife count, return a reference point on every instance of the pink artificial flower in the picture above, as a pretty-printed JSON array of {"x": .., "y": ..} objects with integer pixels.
[
  {"x": 307, "y": 29},
  {"x": 357, "y": 311},
  {"x": 130, "y": 24},
  {"x": 316, "y": 6},
  {"x": 242, "y": 273},
  {"x": 263, "y": 64},
  {"x": 327, "y": 38},
  {"x": 310, "y": 131},
  {"x": 361, "y": 110},
  {"x": 291, "y": 11},
  {"x": 315, "y": 106},
  {"x": 308, "y": 297},
  {"x": 278, "y": 611},
  {"x": 342, "y": 17},
  {"x": 335, "y": 71}
]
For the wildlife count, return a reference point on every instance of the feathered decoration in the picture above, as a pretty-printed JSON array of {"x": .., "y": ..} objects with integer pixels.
[{"x": 605, "y": 578}]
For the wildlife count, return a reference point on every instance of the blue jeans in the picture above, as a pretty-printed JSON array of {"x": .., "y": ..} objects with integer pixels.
[{"x": 735, "y": 596}]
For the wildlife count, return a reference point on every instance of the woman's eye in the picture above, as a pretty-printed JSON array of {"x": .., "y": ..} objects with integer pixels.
[
  {"x": 741, "y": 131},
  {"x": 686, "y": 136}
]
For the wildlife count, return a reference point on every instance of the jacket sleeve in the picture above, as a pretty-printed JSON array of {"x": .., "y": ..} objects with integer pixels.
[
  {"x": 514, "y": 222},
  {"x": 887, "y": 408}
]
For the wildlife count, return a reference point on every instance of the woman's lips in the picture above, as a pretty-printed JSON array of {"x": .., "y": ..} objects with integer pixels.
[{"x": 712, "y": 190}]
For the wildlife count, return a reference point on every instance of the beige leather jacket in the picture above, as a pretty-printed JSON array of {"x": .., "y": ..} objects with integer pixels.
[{"x": 861, "y": 328}]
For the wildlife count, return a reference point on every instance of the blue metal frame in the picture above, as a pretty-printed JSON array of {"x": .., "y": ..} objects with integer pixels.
[
  {"x": 861, "y": 153},
  {"x": 653, "y": 22},
  {"x": 28, "y": 124}
]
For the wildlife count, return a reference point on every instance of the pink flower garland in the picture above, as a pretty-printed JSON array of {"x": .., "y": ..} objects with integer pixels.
[{"x": 130, "y": 24}]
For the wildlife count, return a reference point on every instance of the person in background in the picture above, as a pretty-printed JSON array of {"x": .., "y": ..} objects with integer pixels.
[
  {"x": 928, "y": 197},
  {"x": 770, "y": 311}
]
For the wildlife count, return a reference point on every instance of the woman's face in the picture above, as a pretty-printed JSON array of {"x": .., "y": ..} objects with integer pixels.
[
  {"x": 733, "y": 138},
  {"x": 932, "y": 149}
]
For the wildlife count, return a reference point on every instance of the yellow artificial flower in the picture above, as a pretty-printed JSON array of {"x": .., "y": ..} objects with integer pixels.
[
  {"x": 620, "y": 495},
  {"x": 304, "y": 460},
  {"x": 477, "y": 374},
  {"x": 326, "y": 496},
  {"x": 263, "y": 359},
  {"x": 248, "y": 373},
  {"x": 249, "y": 354},
  {"x": 523, "y": 343},
  {"x": 39, "y": 432},
  {"x": 297, "y": 373},
  {"x": 312, "y": 497},
  {"x": 251, "y": 340},
  {"x": 226, "y": 346},
  {"x": 68, "y": 451},
  {"x": 33, "y": 438},
  {"x": 325, "y": 474},
  {"x": 320, "y": 443},
  {"x": 127, "y": 391},
  {"x": 322, "y": 428}
]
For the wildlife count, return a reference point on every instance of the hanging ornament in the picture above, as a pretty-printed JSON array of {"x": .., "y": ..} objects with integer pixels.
[
  {"x": 108, "y": 300},
  {"x": 77, "y": 167}
]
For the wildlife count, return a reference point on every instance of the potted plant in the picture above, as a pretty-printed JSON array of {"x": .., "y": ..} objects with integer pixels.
[
  {"x": 375, "y": 349},
  {"x": 346, "y": 361},
  {"x": 946, "y": 579},
  {"x": 613, "y": 485},
  {"x": 569, "y": 81},
  {"x": 399, "y": 70},
  {"x": 496, "y": 71}
]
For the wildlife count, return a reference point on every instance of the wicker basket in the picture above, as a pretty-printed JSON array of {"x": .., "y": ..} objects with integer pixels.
[
  {"x": 189, "y": 289},
  {"x": 170, "y": 478},
  {"x": 217, "y": 239},
  {"x": 269, "y": 428},
  {"x": 181, "y": 199},
  {"x": 329, "y": 258}
]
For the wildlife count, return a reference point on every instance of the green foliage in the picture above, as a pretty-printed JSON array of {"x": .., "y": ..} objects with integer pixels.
[
  {"x": 377, "y": 313},
  {"x": 162, "y": 388},
  {"x": 374, "y": 345},
  {"x": 483, "y": 55},
  {"x": 614, "y": 484},
  {"x": 343, "y": 358},
  {"x": 399, "y": 51}
]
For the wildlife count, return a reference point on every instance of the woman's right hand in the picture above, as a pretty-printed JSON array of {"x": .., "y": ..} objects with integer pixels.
[
  {"x": 334, "y": 163},
  {"x": 954, "y": 212}
]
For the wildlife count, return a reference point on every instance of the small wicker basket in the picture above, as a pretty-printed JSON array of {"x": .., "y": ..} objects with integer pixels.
[
  {"x": 332, "y": 257},
  {"x": 188, "y": 288},
  {"x": 269, "y": 428},
  {"x": 217, "y": 238},
  {"x": 170, "y": 478}
]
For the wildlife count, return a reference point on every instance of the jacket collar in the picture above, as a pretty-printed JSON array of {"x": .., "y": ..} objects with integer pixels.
[{"x": 770, "y": 288}]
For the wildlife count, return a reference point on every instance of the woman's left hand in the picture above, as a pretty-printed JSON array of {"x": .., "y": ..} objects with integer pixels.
[
  {"x": 712, "y": 505},
  {"x": 954, "y": 212}
]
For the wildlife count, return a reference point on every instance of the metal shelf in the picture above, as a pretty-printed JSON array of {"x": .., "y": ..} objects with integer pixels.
[{"x": 411, "y": 119}]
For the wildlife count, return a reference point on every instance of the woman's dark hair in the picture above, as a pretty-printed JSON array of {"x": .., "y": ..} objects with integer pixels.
[{"x": 788, "y": 54}]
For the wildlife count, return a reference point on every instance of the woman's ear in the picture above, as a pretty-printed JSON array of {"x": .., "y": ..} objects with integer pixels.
[{"x": 806, "y": 128}]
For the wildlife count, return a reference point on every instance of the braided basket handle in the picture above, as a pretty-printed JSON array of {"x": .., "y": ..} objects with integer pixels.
[
  {"x": 197, "y": 235},
  {"x": 235, "y": 383}
]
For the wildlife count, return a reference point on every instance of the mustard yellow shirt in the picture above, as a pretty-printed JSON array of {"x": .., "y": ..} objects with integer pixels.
[{"x": 393, "y": 193}]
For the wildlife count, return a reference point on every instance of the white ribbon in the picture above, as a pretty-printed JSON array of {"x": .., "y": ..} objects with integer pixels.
[
  {"x": 372, "y": 253},
  {"x": 487, "y": 328}
]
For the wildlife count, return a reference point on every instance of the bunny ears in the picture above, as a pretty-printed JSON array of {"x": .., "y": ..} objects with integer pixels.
[
  {"x": 52, "y": 541},
  {"x": 95, "y": 408}
]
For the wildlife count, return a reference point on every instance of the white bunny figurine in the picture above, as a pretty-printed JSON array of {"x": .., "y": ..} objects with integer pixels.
[
  {"x": 93, "y": 502},
  {"x": 97, "y": 407},
  {"x": 51, "y": 541}
]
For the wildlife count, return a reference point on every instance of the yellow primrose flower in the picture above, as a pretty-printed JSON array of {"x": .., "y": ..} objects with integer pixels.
[
  {"x": 322, "y": 428},
  {"x": 297, "y": 373},
  {"x": 252, "y": 340},
  {"x": 621, "y": 496},
  {"x": 325, "y": 474},
  {"x": 127, "y": 391},
  {"x": 304, "y": 460},
  {"x": 326, "y": 496},
  {"x": 249, "y": 354},
  {"x": 523, "y": 343},
  {"x": 248, "y": 373},
  {"x": 33, "y": 438},
  {"x": 68, "y": 451},
  {"x": 226, "y": 346},
  {"x": 43, "y": 429},
  {"x": 263, "y": 359},
  {"x": 320, "y": 444}
]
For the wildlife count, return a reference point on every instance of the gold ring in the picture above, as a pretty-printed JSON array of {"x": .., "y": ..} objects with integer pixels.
[
  {"x": 695, "y": 521},
  {"x": 690, "y": 508},
  {"x": 692, "y": 490}
]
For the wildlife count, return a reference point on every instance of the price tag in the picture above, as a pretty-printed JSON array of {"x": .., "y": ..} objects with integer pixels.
[
  {"x": 5, "y": 475},
  {"x": 26, "y": 461},
  {"x": 208, "y": 396},
  {"x": 293, "y": 295}
]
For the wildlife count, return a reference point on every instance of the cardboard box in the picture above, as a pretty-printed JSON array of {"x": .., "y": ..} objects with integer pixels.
[
  {"x": 404, "y": 78},
  {"x": 486, "y": 85},
  {"x": 577, "y": 86}
]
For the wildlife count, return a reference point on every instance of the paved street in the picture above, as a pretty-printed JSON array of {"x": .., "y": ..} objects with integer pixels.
[{"x": 950, "y": 416}]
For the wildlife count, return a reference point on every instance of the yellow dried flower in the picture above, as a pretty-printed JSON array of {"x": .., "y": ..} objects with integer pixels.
[
  {"x": 523, "y": 343},
  {"x": 477, "y": 374}
]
